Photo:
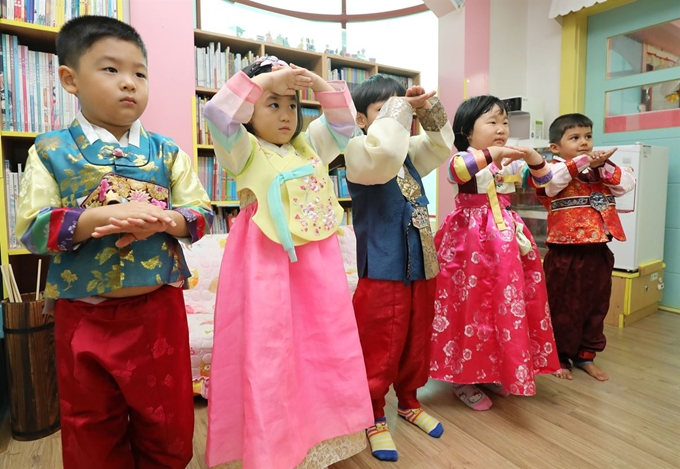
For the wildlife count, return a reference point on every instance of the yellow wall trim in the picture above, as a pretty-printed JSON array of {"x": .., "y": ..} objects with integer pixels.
[
  {"x": 669, "y": 309},
  {"x": 574, "y": 48}
]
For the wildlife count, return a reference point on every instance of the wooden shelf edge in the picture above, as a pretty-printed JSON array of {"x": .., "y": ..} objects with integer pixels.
[
  {"x": 225, "y": 203},
  {"x": 204, "y": 147},
  {"x": 12, "y": 134},
  {"x": 18, "y": 252},
  {"x": 206, "y": 91},
  {"x": 28, "y": 26}
]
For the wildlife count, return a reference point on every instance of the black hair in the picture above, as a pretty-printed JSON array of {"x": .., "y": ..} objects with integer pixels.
[
  {"x": 255, "y": 69},
  {"x": 566, "y": 122},
  {"x": 467, "y": 114},
  {"x": 78, "y": 35},
  {"x": 377, "y": 88}
]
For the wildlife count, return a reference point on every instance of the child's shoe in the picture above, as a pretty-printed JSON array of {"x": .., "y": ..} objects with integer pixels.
[
  {"x": 472, "y": 396},
  {"x": 380, "y": 439}
]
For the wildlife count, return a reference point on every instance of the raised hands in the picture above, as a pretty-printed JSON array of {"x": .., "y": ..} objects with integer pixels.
[
  {"x": 599, "y": 157},
  {"x": 318, "y": 83},
  {"x": 285, "y": 80},
  {"x": 418, "y": 98}
]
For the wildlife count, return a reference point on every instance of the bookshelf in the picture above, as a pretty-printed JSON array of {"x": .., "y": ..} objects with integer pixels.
[
  {"x": 210, "y": 76},
  {"x": 16, "y": 137},
  {"x": 34, "y": 41}
]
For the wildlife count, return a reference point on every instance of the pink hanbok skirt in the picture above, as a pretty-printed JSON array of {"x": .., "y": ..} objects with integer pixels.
[
  {"x": 288, "y": 385},
  {"x": 492, "y": 319}
]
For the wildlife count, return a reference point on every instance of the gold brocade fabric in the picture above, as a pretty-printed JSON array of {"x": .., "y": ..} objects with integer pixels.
[
  {"x": 433, "y": 119},
  {"x": 398, "y": 109},
  {"x": 421, "y": 221},
  {"x": 327, "y": 452}
]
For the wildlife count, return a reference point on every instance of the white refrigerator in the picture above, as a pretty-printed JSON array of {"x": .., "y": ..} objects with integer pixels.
[{"x": 642, "y": 210}]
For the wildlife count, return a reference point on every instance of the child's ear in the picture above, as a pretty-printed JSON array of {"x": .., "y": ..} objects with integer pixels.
[
  {"x": 555, "y": 148},
  {"x": 362, "y": 120},
  {"x": 67, "y": 77}
]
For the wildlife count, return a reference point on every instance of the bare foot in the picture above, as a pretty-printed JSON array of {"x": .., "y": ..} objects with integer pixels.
[
  {"x": 596, "y": 372},
  {"x": 564, "y": 373}
]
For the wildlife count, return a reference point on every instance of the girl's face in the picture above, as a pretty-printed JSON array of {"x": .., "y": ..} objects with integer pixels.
[
  {"x": 491, "y": 129},
  {"x": 275, "y": 118}
]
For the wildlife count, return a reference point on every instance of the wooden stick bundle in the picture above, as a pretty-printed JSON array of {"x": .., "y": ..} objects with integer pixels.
[{"x": 10, "y": 283}]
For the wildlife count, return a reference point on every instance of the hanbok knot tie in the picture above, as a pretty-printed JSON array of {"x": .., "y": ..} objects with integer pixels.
[{"x": 118, "y": 153}]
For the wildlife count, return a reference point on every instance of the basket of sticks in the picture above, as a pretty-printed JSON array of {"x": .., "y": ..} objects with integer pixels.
[{"x": 31, "y": 363}]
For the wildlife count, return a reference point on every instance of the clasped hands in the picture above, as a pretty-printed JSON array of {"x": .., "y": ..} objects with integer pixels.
[{"x": 136, "y": 220}]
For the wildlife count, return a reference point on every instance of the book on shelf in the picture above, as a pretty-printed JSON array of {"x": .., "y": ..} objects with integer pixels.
[
  {"x": 224, "y": 219},
  {"x": 55, "y": 13},
  {"x": 339, "y": 178},
  {"x": 352, "y": 76},
  {"x": 308, "y": 115},
  {"x": 33, "y": 98},
  {"x": 12, "y": 184},
  {"x": 218, "y": 183},
  {"x": 215, "y": 65},
  {"x": 406, "y": 81},
  {"x": 346, "y": 217},
  {"x": 202, "y": 131}
]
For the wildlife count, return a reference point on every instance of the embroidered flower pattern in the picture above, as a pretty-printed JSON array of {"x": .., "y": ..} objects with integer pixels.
[
  {"x": 315, "y": 215},
  {"x": 492, "y": 319}
]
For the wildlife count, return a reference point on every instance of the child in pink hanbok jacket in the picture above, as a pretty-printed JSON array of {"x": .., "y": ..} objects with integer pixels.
[{"x": 492, "y": 321}]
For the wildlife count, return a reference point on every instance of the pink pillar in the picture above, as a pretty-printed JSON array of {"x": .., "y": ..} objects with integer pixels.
[
  {"x": 168, "y": 34},
  {"x": 464, "y": 50}
]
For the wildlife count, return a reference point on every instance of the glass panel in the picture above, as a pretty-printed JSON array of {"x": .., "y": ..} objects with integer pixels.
[
  {"x": 384, "y": 41},
  {"x": 253, "y": 23},
  {"x": 653, "y": 106},
  {"x": 653, "y": 48}
]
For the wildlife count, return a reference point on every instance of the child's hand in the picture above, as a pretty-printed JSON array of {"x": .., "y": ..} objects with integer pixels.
[
  {"x": 600, "y": 157},
  {"x": 505, "y": 154},
  {"x": 531, "y": 156},
  {"x": 318, "y": 83},
  {"x": 285, "y": 80},
  {"x": 418, "y": 98},
  {"x": 138, "y": 220},
  {"x": 132, "y": 231},
  {"x": 141, "y": 211}
]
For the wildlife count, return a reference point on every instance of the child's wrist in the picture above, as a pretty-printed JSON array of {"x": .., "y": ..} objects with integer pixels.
[
  {"x": 537, "y": 166},
  {"x": 487, "y": 156}
]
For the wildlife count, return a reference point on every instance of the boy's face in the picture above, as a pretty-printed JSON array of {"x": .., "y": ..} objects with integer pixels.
[
  {"x": 575, "y": 142},
  {"x": 275, "y": 117},
  {"x": 364, "y": 121},
  {"x": 111, "y": 84}
]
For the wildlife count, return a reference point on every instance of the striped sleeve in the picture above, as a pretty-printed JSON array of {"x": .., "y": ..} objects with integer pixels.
[
  {"x": 536, "y": 176},
  {"x": 330, "y": 133},
  {"x": 464, "y": 165},
  {"x": 43, "y": 225},
  {"x": 189, "y": 197},
  {"x": 225, "y": 114}
]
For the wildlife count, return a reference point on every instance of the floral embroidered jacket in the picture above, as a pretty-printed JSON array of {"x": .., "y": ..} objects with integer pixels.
[
  {"x": 581, "y": 201},
  {"x": 66, "y": 174},
  {"x": 295, "y": 196}
]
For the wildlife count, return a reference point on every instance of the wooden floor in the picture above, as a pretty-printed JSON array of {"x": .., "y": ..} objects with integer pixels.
[{"x": 630, "y": 422}]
